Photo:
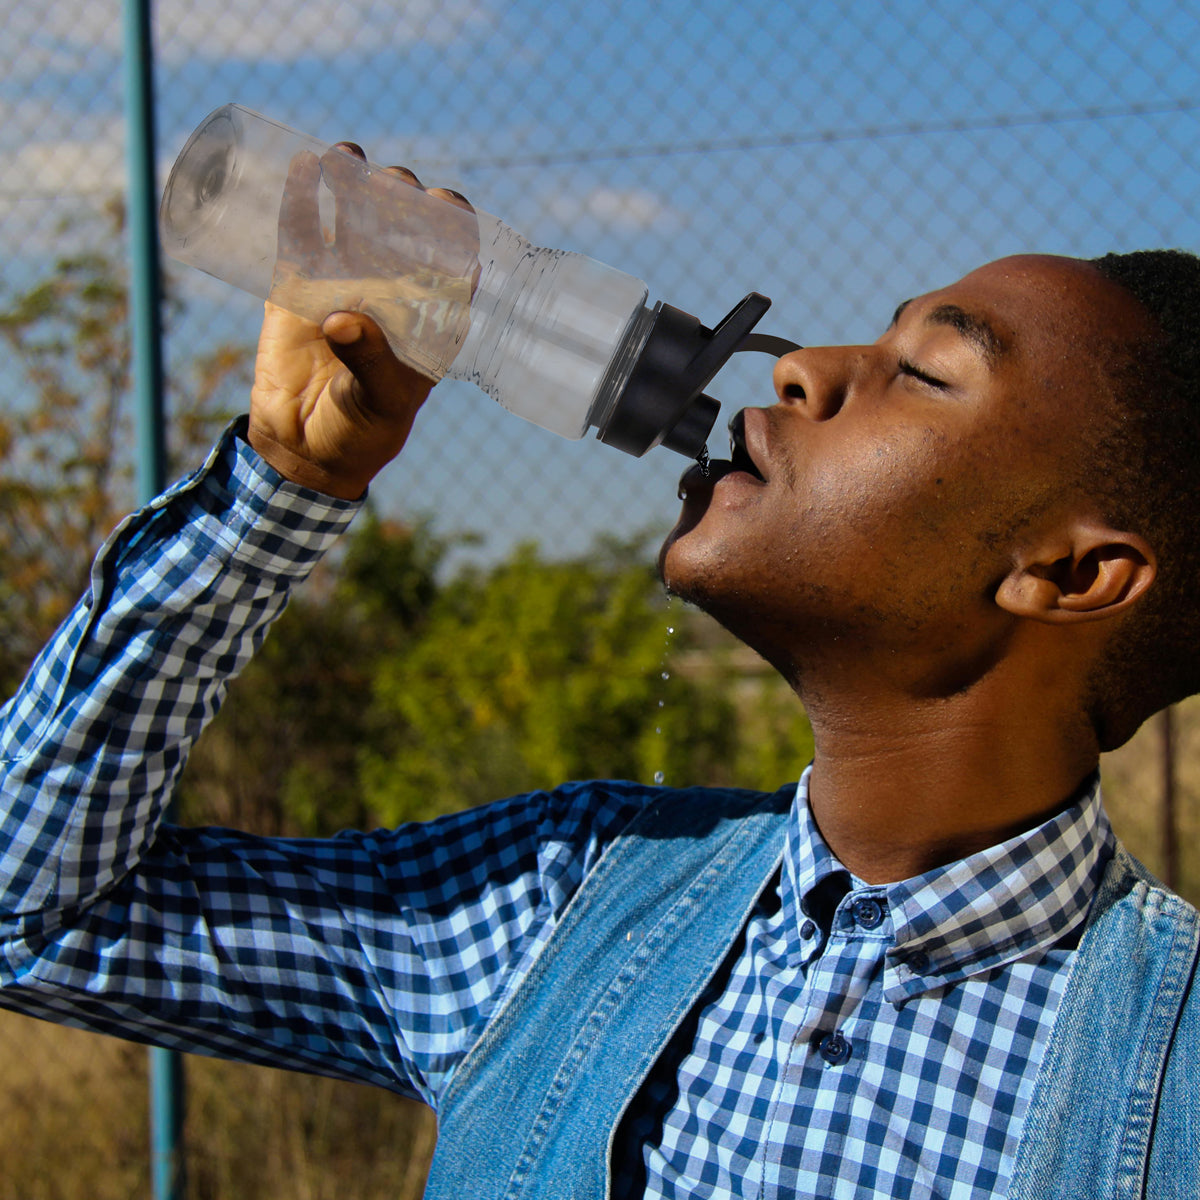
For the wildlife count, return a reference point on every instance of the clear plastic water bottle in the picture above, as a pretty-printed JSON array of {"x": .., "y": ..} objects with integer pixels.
[{"x": 557, "y": 338}]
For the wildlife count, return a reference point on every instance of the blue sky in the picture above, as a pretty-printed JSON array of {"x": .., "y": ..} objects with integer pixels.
[{"x": 835, "y": 156}]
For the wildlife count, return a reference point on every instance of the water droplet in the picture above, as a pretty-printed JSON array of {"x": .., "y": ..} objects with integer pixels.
[
  {"x": 666, "y": 674},
  {"x": 658, "y": 729},
  {"x": 670, "y": 629},
  {"x": 661, "y": 703},
  {"x": 659, "y": 776}
]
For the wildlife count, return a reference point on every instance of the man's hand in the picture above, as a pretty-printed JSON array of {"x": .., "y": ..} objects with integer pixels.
[{"x": 331, "y": 404}]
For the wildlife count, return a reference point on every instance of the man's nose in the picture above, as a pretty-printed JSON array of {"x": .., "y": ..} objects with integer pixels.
[{"x": 818, "y": 378}]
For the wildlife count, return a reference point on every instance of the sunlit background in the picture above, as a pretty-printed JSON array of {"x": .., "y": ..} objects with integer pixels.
[{"x": 837, "y": 157}]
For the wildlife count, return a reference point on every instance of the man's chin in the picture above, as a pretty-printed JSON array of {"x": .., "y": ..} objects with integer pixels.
[
  {"x": 673, "y": 561},
  {"x": 688, "y": 573},
  {"x": 696, "y": 572}
]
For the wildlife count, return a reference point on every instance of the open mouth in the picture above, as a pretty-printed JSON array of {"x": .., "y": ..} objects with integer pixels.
[
  {"x": 703, "y": 477},
  {"x": 739, "y": 456}
]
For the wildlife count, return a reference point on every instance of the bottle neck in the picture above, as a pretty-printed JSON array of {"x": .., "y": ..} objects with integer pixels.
[
  {"x": 546, "y": 327},
  {"x": 506, "y": 263},
  {"x": 621, "y": 367}
]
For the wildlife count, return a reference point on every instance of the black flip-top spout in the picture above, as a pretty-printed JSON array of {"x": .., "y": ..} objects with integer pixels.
[{"x": 664, "y": 402}]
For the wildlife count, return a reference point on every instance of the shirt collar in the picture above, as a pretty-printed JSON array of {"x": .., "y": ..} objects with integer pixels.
[{"x": 1024, "y": 895}]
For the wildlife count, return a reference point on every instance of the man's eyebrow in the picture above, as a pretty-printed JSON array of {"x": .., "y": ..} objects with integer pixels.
[{"x": 976, "y": 329}]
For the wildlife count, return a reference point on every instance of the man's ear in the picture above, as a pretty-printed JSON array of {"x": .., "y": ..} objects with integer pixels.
[{"x": 1085, "y": 574}]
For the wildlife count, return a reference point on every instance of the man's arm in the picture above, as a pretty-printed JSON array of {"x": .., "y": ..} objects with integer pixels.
[
  {"x": 331, "y": 405},
  {"x": 375, "y": 957}
]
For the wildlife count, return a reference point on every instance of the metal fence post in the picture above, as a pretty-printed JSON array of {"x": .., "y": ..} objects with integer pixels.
[
  {"x": 144, "y": 308},
  {"x": 166, "y": 1067}
]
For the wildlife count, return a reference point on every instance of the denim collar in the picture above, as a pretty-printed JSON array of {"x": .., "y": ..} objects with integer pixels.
[{"x": 1023, "y": 896}]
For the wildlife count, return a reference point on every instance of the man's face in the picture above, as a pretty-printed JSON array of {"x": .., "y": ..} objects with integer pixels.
[{"x": 897, "y": 479}]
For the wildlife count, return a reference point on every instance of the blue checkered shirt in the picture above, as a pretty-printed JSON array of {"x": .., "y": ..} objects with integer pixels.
[{"x": 861, "y": 1040}]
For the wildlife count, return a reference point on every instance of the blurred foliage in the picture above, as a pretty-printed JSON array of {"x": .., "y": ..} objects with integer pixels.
[
  {"x": 532, "y": 673},
  {"x": 66, "y": 441},
  {"x": 71, "y": 1097},
  {"x": 386, "y": 693},
  {"x": 282, "y": 755},
  {"x": 383, "y": 695},
  {"x": 388, "y": 690},
  {"x": 259, "y": 1134}
]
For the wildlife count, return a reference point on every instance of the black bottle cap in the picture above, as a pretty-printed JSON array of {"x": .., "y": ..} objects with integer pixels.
[{"x": 663, "y": 401}]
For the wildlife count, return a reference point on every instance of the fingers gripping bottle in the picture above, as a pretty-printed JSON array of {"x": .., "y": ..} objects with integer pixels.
[{"x": 557, "y": 338}]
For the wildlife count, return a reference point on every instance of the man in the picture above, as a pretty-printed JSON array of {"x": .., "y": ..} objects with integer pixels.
[{"x": 925, "y": 971}]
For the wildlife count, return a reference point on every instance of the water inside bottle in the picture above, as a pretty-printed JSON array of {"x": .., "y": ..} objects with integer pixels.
[
  {"x": 425, "y": 316},
  {"x": 350, "y": 239}
]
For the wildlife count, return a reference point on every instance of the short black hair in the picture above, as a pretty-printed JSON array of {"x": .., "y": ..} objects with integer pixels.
[{"x": 1147, "y": 470}]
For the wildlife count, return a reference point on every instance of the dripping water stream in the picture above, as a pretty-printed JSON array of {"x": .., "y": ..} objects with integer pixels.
[{"x": 660, "y": 776}]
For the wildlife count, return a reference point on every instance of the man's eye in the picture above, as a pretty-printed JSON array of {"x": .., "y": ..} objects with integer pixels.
[{"x": 915, "y": 372}]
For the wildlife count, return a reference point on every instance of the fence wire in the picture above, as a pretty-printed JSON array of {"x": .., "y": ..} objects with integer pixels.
[{"x": 837, "y": 157}]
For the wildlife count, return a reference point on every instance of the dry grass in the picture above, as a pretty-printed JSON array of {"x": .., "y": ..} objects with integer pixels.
[
  {"x": 73, "y": 1114},
  {"x": 74, "y": 1126}
]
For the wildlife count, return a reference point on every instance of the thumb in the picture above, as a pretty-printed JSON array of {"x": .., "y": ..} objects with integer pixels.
[{"x": 380, "y": 385}]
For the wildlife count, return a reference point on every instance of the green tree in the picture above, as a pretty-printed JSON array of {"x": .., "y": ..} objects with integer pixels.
[
  {"x": 536, "y": 672},
  {"x": 385, "y": 692}
]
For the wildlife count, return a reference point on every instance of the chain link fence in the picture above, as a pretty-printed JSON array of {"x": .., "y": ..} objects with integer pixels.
[{"x": 837, "y": 157}]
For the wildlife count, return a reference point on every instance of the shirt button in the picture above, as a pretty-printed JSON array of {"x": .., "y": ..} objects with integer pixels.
[
  {"x": 868, "y": 912},
  {"x": 834, "y": 1049},
  {"x": 918, "y": 961},
  {"x": 807, "y": 930}
]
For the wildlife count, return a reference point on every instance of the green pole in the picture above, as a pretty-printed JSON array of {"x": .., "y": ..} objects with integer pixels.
[
  {"x": 142, "y": 206},
  {"x": 166, "y": 1066}
]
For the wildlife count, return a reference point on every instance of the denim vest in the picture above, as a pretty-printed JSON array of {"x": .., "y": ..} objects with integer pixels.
[{"x": 533, "y": 1107}]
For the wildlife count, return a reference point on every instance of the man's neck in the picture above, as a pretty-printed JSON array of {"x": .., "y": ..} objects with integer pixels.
[{"x": 897, "y": 790}]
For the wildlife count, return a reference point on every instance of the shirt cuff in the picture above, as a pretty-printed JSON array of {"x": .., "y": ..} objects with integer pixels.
[{"x": 252, "y": 518}]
